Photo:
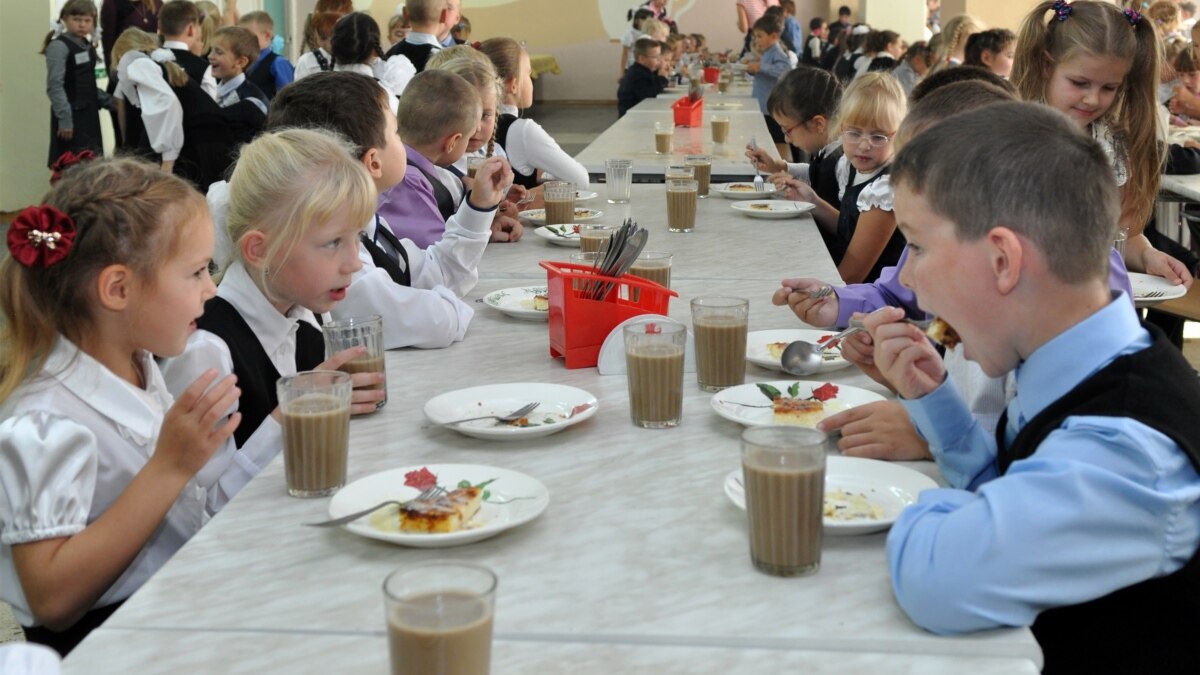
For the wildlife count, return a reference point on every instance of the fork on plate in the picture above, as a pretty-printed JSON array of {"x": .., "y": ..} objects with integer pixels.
[
  {"x": 758, "y": 179},
  {"x": 1150, "y": 295},
  {"x": 427, "y": 493},
  {"x": 510, "y": 417}
]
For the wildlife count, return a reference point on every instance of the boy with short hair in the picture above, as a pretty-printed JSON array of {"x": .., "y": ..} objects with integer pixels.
[
  {"x": 1081, "y": 517},
  {"x": 270, "y": 71},
  {"x": 646, "y": 78},
  {"x": 437, "y": 116},
  {"x": 428, "y": 20},
  {"x": 771, "y": 65},
  {"x": 179, "y": 26}
]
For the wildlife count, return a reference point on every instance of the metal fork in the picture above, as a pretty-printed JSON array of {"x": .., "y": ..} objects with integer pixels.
[
  {"x": 510, "y": 417},
  {"x": 822, "y": 292},
  {"x": 427, "y": 493},
  {"x": 758, "y": 179},
  {"x": 1151, "y": 295}
]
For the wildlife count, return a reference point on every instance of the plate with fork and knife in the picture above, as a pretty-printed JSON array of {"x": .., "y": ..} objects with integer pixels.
[
  {"x": 510, "y": 498},
  {"x": 503, "y": 411},
  {"x": 1149, "y": 290}
]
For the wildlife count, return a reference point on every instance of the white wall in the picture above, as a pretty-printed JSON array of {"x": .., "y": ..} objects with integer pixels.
[{"x": 24, "y": 106}]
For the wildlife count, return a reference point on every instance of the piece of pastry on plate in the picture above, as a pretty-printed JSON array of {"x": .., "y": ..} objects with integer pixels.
[
  {"x": 798, "y": 412},
  {"x": 447, "y": 512}
]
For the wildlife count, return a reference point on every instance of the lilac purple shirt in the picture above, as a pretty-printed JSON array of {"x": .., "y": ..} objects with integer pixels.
[
  {"x": 410, "y": 208},
  {"x": 887, "y": 291}
]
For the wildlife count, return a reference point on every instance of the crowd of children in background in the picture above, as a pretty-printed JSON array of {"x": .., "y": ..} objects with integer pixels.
[{"x": 369, "y": 180}]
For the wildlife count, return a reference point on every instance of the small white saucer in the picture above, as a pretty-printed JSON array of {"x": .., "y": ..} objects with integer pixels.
[{"x": 612, "y": 353}]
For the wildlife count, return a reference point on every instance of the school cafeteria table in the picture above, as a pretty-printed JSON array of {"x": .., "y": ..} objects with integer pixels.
[
  {"x": 638, "y": 563},
  {"x": 632, "y": 137},
  {"x": 132, "y": 651},
  {"x": 741, "y": 89}
]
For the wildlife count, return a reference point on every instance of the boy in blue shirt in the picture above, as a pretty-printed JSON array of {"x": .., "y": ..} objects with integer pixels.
[
  {"x": 1081, "y": 517},
  {"x": 771, "y": 64},
  {"x": 270, "y": 71}
]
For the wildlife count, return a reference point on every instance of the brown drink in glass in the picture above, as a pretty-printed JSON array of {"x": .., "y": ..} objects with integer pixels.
[{"x": 720, "y": 325}]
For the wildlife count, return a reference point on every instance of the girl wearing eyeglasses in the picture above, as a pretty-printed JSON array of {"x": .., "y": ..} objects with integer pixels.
[{"x": 861, "y": 226}]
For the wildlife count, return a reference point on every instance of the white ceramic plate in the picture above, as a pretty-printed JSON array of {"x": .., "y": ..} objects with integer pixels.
[
  {"x": 884, "y": 484},
  {"x": 773, "y": 208},
  {"x": 518, "y": 302},
  {"x": 525, "y": 499},
  {"x": 612, "y": 353},
  {"x": 1146, "y": 284},
  {"x": 559, "y": 235},
  {"x": 563, "y": 406},
  {"x": 742, "y": 190},
  {"x": 584, "y": 195},
  {"x": 757, "y": 351},
  {"x": 746, "y": 404},
  {"x": 582, "y": 215}
]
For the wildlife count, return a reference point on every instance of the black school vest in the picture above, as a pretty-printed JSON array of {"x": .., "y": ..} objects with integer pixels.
[
  {"x": 848, "y": 223},
  {"x": 397, "y": 268},
  {"x": 445, "y": 200},
  {"x": 262, "y": 76},
  {"x": 418, "y": 54},
  {"x": 1148, "y": 627},
  {"x": 80, "y": 79},
  {"x": 193, "y": 65},
  {"x": 822, "y": 176},
  {"x": 525, "y": 180},
  {"x": 255, "y": 373}
]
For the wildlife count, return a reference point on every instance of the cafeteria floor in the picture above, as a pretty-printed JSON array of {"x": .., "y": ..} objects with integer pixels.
[{"x": 574, "y": 126}]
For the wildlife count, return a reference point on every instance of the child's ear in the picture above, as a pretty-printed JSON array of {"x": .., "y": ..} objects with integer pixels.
[
  {"x": 114, "y": 286},
  {"x": 451, "y": 141},
  {"x": 253, "y": 246},
  {"x": 1006, "y": 256},
  {"x": 371, "y": 160},
  {"x": 819, "y": 124}
]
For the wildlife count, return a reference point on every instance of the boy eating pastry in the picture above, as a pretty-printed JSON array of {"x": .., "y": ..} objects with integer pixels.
[{"x": 1081, "y": 518}]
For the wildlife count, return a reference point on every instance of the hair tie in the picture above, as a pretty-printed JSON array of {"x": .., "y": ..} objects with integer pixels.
[
  {"x": 203, "y": 16},
  {"x": 1134, "y": 16},
  {"x": 41, "y": 236},
  {"x": 477, "y": 44},
  {"x": 67, "y": 160},
  {"x": 1062, "y": 9}
]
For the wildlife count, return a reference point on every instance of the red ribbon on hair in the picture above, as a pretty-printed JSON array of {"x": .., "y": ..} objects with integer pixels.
[
  {"x": 67, "y": 160},
  {"x": 41, "y": 236}
]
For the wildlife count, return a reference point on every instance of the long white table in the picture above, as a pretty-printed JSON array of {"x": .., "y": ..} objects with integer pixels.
[
  {"x": 632, "y": 137},
  {"x": 639, "y": 562}
]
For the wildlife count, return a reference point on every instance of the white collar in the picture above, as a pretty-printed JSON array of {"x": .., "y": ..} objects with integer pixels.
[
  {"x": 268, "y": 325},
  {"x": 136, "y": 411},
  {"x": 360, "y": 68},
  {"x": 176, "y": 44},
  {"x": 230, "y": 85},
  {"x": 423, "y": 39},
  {"x": 506, "y": 109}
]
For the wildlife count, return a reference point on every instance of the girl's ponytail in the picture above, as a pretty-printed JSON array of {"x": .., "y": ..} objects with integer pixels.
[
  {"x": 1029, "y": 62},
  {"x": 29, "y": 331},
  {"x": 1138, "y": 119}
]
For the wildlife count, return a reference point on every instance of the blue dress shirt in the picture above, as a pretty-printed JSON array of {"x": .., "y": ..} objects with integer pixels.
[{"x": 1104, "y": 503}]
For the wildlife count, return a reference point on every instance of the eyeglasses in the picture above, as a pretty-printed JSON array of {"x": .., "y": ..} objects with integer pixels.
[
  {"x": 788, "y": 131},
  {"x": 857, "y": 137}
]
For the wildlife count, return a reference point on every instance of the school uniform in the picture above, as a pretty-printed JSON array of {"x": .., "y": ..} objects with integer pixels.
[
  {"x": 214, "y": 130},
  {"x": 863, "y": 192},
  {"x": 821, "y": 173},
  {"x": 155, "y": 130},
  {"x": 71, "y": 440},
  {"x": 393, "y": 74},
  {"x": 270, "y": 72},
  {"x": 529, "y": 148},
  {"x": 417, "y": 48},
  {"x": 638, "y": 84},
  {"x": 419, "y": 292},
  {"x": 881, "y": 63},
  {"x": 242, "y": 333},
  {"x": 814, "y": 51},
  {"x": 1090, "y": 482},
  {"x": 906, "y": 76},
  {"x": 315, "y": 61},
  {"x": 414, "y": 207},
  {"x": 75, "y": 101},
  {"x": 630, "y": 38},
  {"x": 197, "y": 67}
]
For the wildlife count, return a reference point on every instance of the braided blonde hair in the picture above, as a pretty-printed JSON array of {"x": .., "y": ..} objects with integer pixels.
[{"x": 958, "y": 30}]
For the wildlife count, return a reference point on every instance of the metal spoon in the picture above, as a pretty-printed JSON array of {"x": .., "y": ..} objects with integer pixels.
[{"x": 805, "y": 358}]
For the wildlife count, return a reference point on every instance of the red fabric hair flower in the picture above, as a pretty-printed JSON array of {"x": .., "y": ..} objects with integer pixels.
[
  {"x": 41, "y": 236},
  {"x": 67, "y": 160}
]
